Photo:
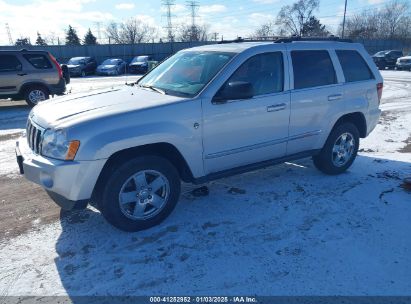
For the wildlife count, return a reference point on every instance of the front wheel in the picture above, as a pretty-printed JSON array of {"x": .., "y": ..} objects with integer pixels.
[
  {"x": 340, "y": 149},
  {"x": 140, "y": 193}
]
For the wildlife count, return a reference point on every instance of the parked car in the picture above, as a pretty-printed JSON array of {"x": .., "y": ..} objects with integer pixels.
[
  {"x": 203, "y": 114},
  {"x": 82, "y": 66},
  {"x": 386, "y": 59},
  {"x": 139, "y": 65},
  {"x": 114, "y": 66},
  {"x": 32, "y": 75},
  {"x": 404, "y": 63}
]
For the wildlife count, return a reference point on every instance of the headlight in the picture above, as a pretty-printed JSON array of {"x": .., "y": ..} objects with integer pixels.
[{"x": 56, "y": 145}]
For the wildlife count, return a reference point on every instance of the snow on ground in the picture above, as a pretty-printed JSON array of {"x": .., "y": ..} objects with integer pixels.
[{"x": 284, "y": 230}]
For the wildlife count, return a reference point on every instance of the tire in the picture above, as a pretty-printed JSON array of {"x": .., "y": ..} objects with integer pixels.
[
  {"x": 335, "y": 157},
  {"x": 124, "y": 190},
  {"x": 83, "y": 74},
  {"x": 34, "y": 94}
]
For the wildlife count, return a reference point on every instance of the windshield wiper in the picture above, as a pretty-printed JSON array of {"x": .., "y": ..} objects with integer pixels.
[{"x": 153, "y": 89}]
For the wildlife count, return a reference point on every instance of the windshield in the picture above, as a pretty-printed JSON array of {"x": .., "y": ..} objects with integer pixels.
[
  {"x": 76, "y": 61},
  {"x": 140, "y": 59},
  {"x": 110, "y": 61},
  {"x": 186, "y": 73},
  {"x": 381, "y": 53}
]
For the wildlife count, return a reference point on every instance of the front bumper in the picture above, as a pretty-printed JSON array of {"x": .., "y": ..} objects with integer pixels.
[
  {"x": 403, "y": 66},
  {"x": 69, "y": 183}
]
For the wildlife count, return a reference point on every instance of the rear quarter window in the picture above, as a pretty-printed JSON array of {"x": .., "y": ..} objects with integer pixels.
[
  {"x": 354, "y": 66},
  {"x": 38, "y": 61},
  {"x": 312, "y": 69}
]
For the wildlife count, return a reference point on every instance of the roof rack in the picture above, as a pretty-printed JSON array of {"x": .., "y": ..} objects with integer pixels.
[
  {"x": 299, "y": 38},
  {"x": 277, "y": 39}
]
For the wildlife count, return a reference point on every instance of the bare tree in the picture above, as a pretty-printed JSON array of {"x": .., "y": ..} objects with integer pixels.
[
  {"x": 193, "y": 33},
  {"x": 393, "y": 21},
  {"x": 291, "y": 18},
  {"x": 264, "y": 31},
  {"x": 130, "y": 32}
]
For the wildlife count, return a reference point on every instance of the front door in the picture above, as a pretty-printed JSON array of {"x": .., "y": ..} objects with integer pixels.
[{"x": 242, "y": 132}]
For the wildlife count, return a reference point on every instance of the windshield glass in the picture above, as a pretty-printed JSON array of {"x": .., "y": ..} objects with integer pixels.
[
  {"x": 110, "y": 61},
  {"x": 76, "y": 61},
  {"x": 186, "y": 73},
  {"x": 140, "y": 59},
  {"x": 381, "y": 53}
]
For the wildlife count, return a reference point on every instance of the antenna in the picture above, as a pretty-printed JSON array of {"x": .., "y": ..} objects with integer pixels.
[
  {"x": 168, "y": 4},
  {"x": 9, "y": 34},
  {"x": 193, "y": 7}
]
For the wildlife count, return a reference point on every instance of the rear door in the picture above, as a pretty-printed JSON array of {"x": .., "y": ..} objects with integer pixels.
[
  {"x": 11, "y": 74},
  {"x": 39, "y": 67},
  {"x": 316, "y": 96}
]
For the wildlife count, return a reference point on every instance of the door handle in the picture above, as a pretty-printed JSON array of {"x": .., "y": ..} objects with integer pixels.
[
  {"x": 22, "y": 74},
  {"x": 277, "y": 107},
  {"x": 334, "y": 97}
]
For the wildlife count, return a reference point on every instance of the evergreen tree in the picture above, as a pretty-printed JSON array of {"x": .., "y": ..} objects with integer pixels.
[
  {"x": 89, "y": 38},
  {"x": 40, "y": 40},
  {"x": 22, "y": 41},
  {"x": 71, "y": 36},
  {"x": 314, "y": 28}
]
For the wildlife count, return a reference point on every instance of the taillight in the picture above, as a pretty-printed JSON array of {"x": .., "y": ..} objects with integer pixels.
[
  {"x": 379, "y": 91},
  {"x": 60, "y": 71}
]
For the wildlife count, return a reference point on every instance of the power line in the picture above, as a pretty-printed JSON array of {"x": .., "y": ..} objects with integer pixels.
[{"x": 169, "y": 27}]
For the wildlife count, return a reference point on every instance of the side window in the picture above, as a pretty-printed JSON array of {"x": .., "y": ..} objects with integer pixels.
[
  {"x": 9, "y": 63},
  {"x": 354, "y": 66},
  {"x": 312, "y": 69},
  {"x": 265, "y": 72},
  {"x": 38, "y": 61}
]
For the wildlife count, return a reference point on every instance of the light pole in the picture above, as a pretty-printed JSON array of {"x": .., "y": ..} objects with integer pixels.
[{"x": 345, "y": 11}]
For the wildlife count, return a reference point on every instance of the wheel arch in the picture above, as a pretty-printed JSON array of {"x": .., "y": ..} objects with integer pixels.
[
  {"x": 28, "y": 85},
  {"x": 356, "y": 118},
  {"x": 163, "y": 149}
]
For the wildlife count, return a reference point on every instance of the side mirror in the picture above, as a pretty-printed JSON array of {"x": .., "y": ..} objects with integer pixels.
[{"x": 234, "y": 90}]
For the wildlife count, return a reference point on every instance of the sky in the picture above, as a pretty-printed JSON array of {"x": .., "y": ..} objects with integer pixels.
[{"x": 229, "y": 18}]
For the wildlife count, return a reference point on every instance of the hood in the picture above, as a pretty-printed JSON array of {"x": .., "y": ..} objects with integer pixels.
[
  {"x": 107, "y": 66},
  {"x": 73, "y": 66},
  {"x": 72, "y": 108},
  {"x": 405, "y": 57}
]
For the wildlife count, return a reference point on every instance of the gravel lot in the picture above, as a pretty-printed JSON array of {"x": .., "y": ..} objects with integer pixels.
[{"x": 284, "y": 230}]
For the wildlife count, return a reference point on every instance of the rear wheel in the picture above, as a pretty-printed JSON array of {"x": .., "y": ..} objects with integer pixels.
[
  {"x": 340, "y": 149},
  {"x": 140, "y": 193},
  {"x": 35, "y": 94},
  {"x": 83, "y": 73}
]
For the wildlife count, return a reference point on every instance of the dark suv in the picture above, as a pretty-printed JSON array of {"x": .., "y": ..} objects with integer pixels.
[
  {"x": 32, "y": 75},
  {"x": 82, "y": 66},
  {"x": 386, "y": 59}
]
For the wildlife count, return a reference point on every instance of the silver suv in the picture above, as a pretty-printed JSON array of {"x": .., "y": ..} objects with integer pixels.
[
  {"x": 203, "y": 114},
  {"x": 32, "y": 75}
]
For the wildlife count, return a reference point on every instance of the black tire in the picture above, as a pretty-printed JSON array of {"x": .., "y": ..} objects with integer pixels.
[
  {"x": 324, "y": 160},
  {"x": 109, "y": 201},
  {"x": 32, "y": 90},
  {"x": 83, "y": 74}
]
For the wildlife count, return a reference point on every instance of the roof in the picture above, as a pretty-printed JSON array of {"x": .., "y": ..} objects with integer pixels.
[{"x": 238, "y": 47}]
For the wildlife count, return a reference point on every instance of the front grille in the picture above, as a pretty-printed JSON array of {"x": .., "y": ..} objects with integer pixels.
[{"x": 34, "y": 136}]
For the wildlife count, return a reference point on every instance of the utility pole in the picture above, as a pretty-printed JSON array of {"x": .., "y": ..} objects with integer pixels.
[
  {"x": 9, "y": 34},
  {"x": 169, "y": 27},
  {"x": 98, "y": 24},
  {"x": 193, "y": 7},
  {"x": 343, "y": 27},
  {"x": 215, "y": 34}
]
